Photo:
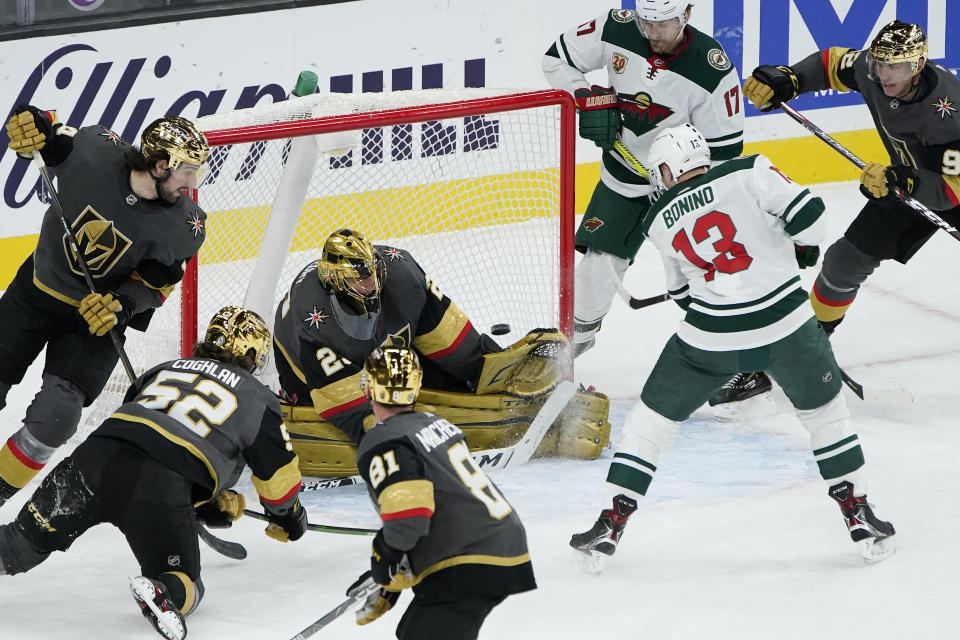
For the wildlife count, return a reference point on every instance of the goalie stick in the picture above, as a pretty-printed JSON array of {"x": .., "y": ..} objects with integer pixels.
[
  {"x": 909, "y": 200},
  {"x": 221, "y": 546},
  {"x": 320, "y": 528},
  {"x": 490, "y": 459}
]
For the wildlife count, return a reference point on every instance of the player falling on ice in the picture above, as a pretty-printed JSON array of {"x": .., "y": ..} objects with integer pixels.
[
  {"x": 183, "y": 436},
  {"x": 731, "y": 239}
]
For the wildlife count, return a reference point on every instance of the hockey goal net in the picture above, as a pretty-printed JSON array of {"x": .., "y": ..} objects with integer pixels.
[{"x": 476, "y": 184}]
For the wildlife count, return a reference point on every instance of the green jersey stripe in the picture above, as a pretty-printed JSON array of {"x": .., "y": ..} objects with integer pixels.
[
  {"x": 747, "y": 321},
  {"x": 806, "y": 216},
  {"x": 752, "y": 303}
]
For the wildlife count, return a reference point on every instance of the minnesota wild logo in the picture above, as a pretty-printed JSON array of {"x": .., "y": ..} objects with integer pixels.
[
  {"x": 592, "y": 224},
  {"x": 641, "y": 113}
]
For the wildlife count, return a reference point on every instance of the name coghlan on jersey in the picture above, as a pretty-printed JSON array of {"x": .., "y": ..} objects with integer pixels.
[{"x": 211, "y": 368}]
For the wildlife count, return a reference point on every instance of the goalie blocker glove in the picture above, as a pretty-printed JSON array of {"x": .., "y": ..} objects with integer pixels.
[
  {"x": 770, "y": 86},
  {"x": 599, "y": 115}
]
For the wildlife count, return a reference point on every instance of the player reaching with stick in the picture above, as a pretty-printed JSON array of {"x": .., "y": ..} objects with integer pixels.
[
  {"x": 136, "y": 231},
  {"x": 731, "y": 238}
]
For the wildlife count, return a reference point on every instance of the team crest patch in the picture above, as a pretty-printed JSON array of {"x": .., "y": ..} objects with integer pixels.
[
  {"x": 718, "y": 59},
  {"x": 98, "y": 240},
  {"x": 131, "y": 199},
  {"x": 944, "y": 106},
  {"x": 111, "y": 137},
  {"x": 593, "y": 224},
  {"x": 316, "y": 317},
  {"x": 623, "y": 15},
  {"x": 393, "y": 254},
  {"x": 619, "y": 62},
  {"x": 195, "y": 224}
]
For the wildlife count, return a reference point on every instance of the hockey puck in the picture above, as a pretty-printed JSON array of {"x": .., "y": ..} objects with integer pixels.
[{"x": 500, "y": 329}]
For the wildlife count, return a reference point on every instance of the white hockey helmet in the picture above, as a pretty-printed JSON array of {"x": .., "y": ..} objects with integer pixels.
[
  {"x": 662, "y": 10},
  {"x": 681, "y": 148}
]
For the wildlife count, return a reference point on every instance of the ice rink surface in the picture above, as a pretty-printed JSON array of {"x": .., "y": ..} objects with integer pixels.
[{"x": 736, "y": 539}]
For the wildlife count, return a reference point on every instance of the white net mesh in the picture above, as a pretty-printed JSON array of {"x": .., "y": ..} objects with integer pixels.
[{"x": 474, "y": 198}]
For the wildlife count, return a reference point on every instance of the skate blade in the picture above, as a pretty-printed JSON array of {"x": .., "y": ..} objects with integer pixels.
[
  {"x": 590, "y": 562},
  {"x": 170, "y": 626},
  {"x": 873, "y": 550},
  {"x": 753, "y": 408}
]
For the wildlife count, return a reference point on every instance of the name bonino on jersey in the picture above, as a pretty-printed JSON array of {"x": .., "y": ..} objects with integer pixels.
[
  {"x": 436, "y": 433},
  {"x": 690, "y": 202},
  {"x": 226, "y": 376}
]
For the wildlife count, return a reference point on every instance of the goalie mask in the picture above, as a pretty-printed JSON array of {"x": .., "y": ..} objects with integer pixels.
[
  {"x": 176, "y": 140},
  {"x": 239, "y": 330},
  {"x": 897, "y": 53},
  {"x": 662, "y": 21},
  {"x": 352, "y": 269},
  {"x": 682, "y": 149},
  {"x": 392, "y": 376}
]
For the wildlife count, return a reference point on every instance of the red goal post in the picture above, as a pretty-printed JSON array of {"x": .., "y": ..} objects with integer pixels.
[{"x": 477, "y": 184}]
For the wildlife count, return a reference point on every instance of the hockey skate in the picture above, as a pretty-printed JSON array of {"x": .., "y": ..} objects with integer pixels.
[
  {"x": 157, "y": 608},
  {"x": 873, "y": 535},
  {"x": 740, "y": 387},
  {"x": 593, "y": 547}
]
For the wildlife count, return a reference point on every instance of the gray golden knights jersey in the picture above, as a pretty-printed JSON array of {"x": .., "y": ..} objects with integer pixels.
[
  {"x": 923, "y": 133},
  {"x": 437, "y": 506},
  {"x": 133, "y": 245},
  {"x": 206, "y": 419},
  {"x": 697, "y": 84},
  {"x": 328, "y": 358},
  {"x": 727, "y": 242}
]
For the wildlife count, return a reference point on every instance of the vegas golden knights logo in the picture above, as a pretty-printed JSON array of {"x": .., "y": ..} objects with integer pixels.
[{"x": 99, "y": 241}]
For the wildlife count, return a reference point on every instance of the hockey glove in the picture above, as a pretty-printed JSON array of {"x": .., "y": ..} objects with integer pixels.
[
  {"x": 376, "y": 604},
  {"x": 388, "y": 566},
  {"x": 768, "y": 86},
  {"x": 873, "y": 181},
  {"x": 221, "y": 512},
  {"x": 29, "y": 129},
  {"x": 904, "y": 178},
  {"x": 102, "y": 312},
  {"x": 807, "y": 255},
  {"x": 599, "y": 115},
  {"x": 289, "y": 525}
]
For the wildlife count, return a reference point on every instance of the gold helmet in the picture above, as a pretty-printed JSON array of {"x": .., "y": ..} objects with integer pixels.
[
  {"x": 174, "y": 138},
  {"x": 392, "y": 375},
  {"x": 900, "y": 42},
  {"x": 239, "y": 330},
  {"x": 347, "y": 258}
]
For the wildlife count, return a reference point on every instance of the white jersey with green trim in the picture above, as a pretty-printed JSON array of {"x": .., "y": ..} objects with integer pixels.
[
  {"x": 696, "y": 84},
  {"x": 727, "y": 242}
]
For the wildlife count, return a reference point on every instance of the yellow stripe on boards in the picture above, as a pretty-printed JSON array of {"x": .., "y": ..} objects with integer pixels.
[{"x": 391, "y": 213}]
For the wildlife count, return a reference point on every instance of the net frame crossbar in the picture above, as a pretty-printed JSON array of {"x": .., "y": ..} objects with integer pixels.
[{"x": 411, "y": 115}]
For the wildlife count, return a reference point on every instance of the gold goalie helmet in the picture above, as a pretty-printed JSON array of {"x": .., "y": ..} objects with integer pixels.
[
  {"x": 898, "y": 45},
  {"x": 239, "y": 330},
  {"x": 176, "y": 138},
  {"x": 351, "y": 268},
  {"x": 392, "y": 375}
]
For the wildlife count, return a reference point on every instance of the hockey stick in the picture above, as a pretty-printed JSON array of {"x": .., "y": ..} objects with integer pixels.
[
  {"x": 631, "y": 159},
  {"x": 364, "y": 591},
  {"x": 894, "y": 397},
  {"x": 81, "y": 261},
  {"x": 910, "y": 201},
  {"x": 330, "y": 483},
  {"x": 320, "y": 528},
  {"x": 233, "y": 550}
]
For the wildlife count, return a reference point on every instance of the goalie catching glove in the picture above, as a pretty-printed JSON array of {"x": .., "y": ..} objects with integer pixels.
[
  {"x": 376, "y": 604},
  {"x": 599, "y": 115},
  {"x": 102, "y": 312},
  {"x": 221, "y": 512},
  {"x": 770, "y": 86},
  {"x": 29, "y": 129},
  {"x": 529, "y": 367}
]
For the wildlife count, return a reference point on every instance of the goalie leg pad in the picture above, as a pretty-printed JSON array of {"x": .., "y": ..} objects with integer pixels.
[{"x": 584, "y": 426}]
